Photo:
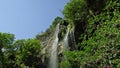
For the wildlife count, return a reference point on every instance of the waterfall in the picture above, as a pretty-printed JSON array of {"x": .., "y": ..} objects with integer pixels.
[
  {"x": 72, "y": 39},
  {"x": 66, "y": 44},
  {"x": 53, "y": 63},
  {"x": 69, "y": 39}
]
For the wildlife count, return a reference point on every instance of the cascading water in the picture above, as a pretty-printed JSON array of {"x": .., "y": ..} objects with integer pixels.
[
  {"x": 72, "y": 37},
  {"x": 69, "y": 39},
  {"x": 66, "y": 44},
  {"x": 53, "y": 58},
  {"x": 58, "y": 50}
]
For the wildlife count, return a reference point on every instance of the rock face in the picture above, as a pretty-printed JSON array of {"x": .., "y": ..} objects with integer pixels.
[
  {"x": 62, "y": 39},
  {"x": 53, "y": 63}
]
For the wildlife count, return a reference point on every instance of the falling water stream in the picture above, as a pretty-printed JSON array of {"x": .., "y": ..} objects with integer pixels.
[
  {"x": 53, "y": 62},
  {"x": 69, "y": 37},
  {"x": 53, "y": 58},
  {"x": 66, "y": 44},
  {"x": 72, "y": 36}
]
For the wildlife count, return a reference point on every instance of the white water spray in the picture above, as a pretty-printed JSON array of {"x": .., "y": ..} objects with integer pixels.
[{"x": 53, "y": 58}]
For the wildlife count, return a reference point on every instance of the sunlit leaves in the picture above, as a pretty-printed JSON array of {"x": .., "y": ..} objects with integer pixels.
[
  {"x": 6, "y": 39},
  {"x": 75, "y": 10},
  {"x": 101, "y": 43}
]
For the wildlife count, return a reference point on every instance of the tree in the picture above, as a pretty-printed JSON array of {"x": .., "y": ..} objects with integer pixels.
[
  {"x": 75, "y": 10},
  {"x": 6, "y": 41},
  {"x": 28, "y": 53}
]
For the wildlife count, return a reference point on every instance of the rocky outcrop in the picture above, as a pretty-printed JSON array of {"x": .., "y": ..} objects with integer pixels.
[{"x": 66, "y": 40}]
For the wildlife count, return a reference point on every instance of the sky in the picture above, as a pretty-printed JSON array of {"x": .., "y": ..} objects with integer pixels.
[{"x": 27, "y": 18}]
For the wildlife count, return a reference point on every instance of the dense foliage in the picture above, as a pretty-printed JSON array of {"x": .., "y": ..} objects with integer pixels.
[
  {"x": 97, "y": 36},
  {"x": 98, "y": 45},
  {"x": 19, "y": 53},
  {"x": 75, "y": 10}
]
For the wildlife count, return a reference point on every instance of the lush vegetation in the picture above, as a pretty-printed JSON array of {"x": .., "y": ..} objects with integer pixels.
[
  {"x": 47, "y": 34},
  {"x": 19, "y": 53},
  {"x": 97, "y": 36},
  {"x": 99, "y": 39}
]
